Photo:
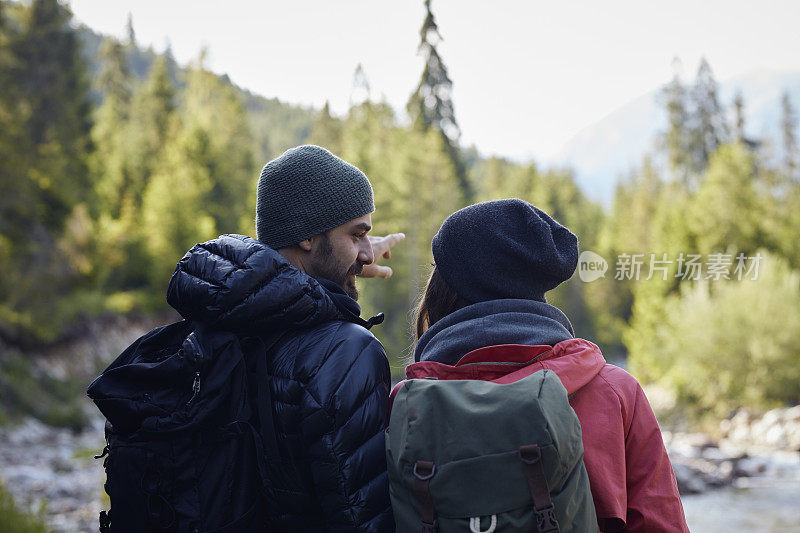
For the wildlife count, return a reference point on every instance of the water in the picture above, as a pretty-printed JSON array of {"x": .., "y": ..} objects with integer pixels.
[
  {"x": 39, "y": 462},
  {"x": 767, "y": 504}
]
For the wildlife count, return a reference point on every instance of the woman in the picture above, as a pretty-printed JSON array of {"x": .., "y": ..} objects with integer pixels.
[{"x": 493, "y": 263}]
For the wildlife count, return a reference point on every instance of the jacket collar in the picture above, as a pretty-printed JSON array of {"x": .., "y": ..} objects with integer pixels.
[
  {"x": 575, "y": 361},
  {"x": 495, "y": 322},
  {"x": 349, "y": 308}
]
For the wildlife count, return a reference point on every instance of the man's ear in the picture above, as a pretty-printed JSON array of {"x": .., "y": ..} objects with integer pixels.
[{"x": 305, "y": 245}]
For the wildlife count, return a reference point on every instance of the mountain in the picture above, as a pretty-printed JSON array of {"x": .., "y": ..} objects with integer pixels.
[{"x": 615, "y": 145}]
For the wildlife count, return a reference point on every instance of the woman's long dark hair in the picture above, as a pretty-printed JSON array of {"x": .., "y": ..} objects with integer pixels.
[{"x": 438, "y": 301}]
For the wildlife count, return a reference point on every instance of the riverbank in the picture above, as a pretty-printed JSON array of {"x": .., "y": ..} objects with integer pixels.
[
  {"x": 54, "y": 467},
  {"x": 767, "y": 503},
  {"x": 722, "y": 482},
  {"x": 44, "y": 464},
  {"x": 750, "y": 459},
  {"x": 748, "y": 446}
]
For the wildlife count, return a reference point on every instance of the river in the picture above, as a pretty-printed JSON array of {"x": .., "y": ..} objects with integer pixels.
[
  {"x": 768, "y": 503},
  {"x": 43, "y": 463}
]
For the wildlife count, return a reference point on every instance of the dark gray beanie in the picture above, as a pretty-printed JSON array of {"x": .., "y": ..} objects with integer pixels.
[
  {"x": 305, "y": 192},
  {"x": 504, "y": 249}
]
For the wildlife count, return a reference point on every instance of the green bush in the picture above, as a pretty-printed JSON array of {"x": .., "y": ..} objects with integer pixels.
[
  {"x": 13, "y": 520},
  {"x": 726, "y": 344}
]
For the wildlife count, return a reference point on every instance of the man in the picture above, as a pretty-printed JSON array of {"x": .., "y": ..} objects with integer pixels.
[{"x": 329, "y": 376}]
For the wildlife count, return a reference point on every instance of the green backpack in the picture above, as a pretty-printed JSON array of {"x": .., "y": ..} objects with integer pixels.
[{"x": 472, "y": 455}]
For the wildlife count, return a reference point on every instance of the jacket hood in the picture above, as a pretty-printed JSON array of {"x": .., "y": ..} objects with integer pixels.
[
  {"x": 504, "y": 341},
  {"x": 241, "y": 285},
  {"x": 507, "y": 321}
]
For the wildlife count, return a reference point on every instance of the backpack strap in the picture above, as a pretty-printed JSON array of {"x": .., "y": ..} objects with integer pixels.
[
  {"x": 393, "y": 394},
  {"x": 531, "y": 457},
  {"x": 264, "y": 400},
  {"x": 423, "y": 472}
]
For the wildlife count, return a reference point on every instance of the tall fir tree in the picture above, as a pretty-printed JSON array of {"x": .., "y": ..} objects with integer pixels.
[
  {"x": 501, "y": 178},
  {"x": 738, "y": 109},
  {"x": 676, "y": 138},
  {"x": 360, "y": 91},
  {"x": 152, "y": 107},
  {"x": 110, "y": 162},
  {"x": 114, "y": 78},
  {"x": 130, "y": 147},
  {"x": 52, "y": 80},
  {"x": 789, "y": 135},
  {"x": 129, "y": 31},
  {"x": 726, "y": 213},
  {"x": 13, "y": 198},
  {"x": 44, "y": 115},
  {"x": 431, "y": 104},
  {"x": 327, "y": 131},
  {"x": 212, "y": 107},
  {"x": 707, "y": 122},
  {"x": 175, "y": 212}
]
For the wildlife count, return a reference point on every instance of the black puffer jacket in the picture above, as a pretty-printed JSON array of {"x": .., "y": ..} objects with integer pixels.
[{"x": 330, "y": 380}]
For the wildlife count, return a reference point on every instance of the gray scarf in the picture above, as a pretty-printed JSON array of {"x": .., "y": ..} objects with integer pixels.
[{"x": 507, "y": 321}]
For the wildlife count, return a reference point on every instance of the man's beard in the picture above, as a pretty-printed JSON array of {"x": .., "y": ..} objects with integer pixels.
[{"x": 327, "y": 266}]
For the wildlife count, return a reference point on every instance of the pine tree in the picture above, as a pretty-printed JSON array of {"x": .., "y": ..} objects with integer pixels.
[
  {"x": 431, "y": 104},
  {"x": 738, "y": 106},
  {"x": 44, "y": 118},
  {"x": 51, "y": 78},
  {"x": 16, "y": 209},
  {"x": 500, "y": 178},
  {"x": 173, "y": 69},
  {"x": 130, "y": 32},
  {"x": 728, "y": 208},
  {"x": 110, "y": 162},
  {"x": 152, "y": 106},
  {"x": 676, "y": 138},
  {"x": 360, "y": 92},
  {"x": 414, "y": 180},
  {"x": 114, "y": 79},
  {"x": 129, "y": 134},
  {"x": 707, "y": 125},
  {"x": 212, "y": 107},
  {"x": 327, "y": 131},
  {"x": 174, "y": 211},
  {"x": 789, "y": 135}
]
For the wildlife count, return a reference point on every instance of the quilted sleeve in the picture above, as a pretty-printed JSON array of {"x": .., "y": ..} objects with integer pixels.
[{"x": 344, "y": 418}]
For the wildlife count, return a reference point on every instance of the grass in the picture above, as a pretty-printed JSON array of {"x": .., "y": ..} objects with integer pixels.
[{"x": 14, "y": 520}]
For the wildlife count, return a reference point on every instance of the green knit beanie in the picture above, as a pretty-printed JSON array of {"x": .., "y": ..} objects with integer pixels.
[{"x": 305, "y": 192}]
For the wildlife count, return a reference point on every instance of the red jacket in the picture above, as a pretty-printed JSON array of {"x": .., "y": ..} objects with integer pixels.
[{"x": 632, "y": 482}]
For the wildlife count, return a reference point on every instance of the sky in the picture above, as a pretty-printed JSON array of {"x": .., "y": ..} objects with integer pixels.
[{"x": 528, "y": 75}]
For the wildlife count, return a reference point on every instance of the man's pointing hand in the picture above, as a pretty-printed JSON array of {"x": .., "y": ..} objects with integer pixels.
[{"x": 381, "y": 247}]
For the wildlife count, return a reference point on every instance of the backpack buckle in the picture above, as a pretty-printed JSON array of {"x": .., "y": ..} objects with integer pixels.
[
  {"x": 530, "y": 454},
  {"x": 475, "y": 524},
  {"x": 546, "y": 519},
  {"x": 424, "y": 470}
]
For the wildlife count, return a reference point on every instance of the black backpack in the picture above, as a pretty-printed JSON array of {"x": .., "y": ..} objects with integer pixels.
[{"x": 188, "y": 442}]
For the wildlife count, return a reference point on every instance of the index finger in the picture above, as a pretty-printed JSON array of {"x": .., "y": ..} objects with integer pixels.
[{"x": 393, "y": 239}]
